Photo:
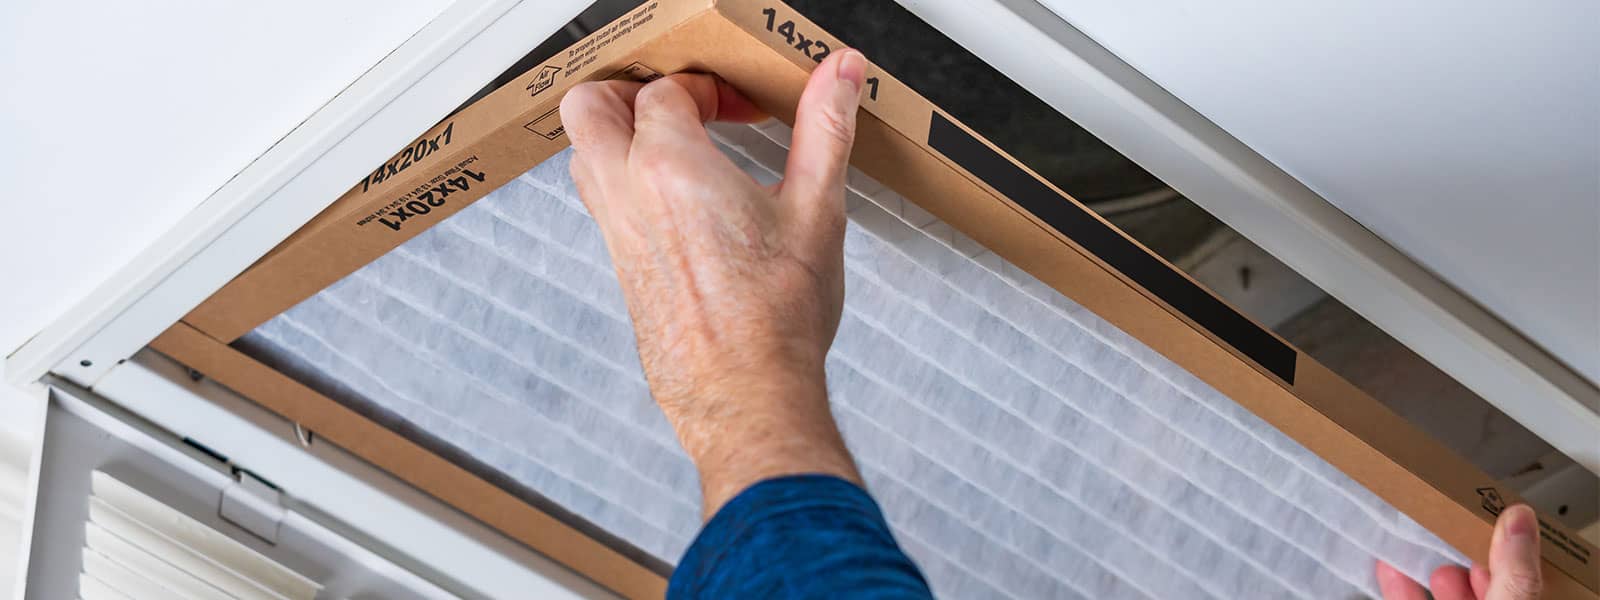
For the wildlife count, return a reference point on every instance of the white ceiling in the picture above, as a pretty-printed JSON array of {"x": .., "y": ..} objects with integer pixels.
[
  {"x": 121, "y": 117},
  {"x": 1467, "y": 134}
]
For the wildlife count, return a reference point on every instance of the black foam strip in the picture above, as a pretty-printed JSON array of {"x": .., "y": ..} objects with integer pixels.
[{"x": 1112, "y": 247}]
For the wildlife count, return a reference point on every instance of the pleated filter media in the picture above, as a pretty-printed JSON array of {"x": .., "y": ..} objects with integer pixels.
[{"x": 1019, "y": 445}]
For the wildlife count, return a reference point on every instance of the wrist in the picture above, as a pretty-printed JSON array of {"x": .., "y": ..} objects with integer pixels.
[{"x": 746, "y": 427}]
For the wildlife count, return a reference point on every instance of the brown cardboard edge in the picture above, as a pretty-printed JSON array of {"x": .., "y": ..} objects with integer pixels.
[
  {"x": 732, "y": 10},
  {"x": 1321, "y": 411},
  {"x": 307, "y": 262},
  {"x": 410, "y": 462}
]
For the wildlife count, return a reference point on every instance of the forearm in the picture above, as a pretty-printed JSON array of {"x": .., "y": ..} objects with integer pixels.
[{"x": 751, "y": 427}]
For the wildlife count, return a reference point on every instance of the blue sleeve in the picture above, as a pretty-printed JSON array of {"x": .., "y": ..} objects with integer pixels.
[{"x": 806, "y": 536}]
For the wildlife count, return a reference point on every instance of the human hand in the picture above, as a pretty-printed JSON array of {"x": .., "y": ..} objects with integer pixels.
[
  {"x": 735, "y": 289},
  {"x": 1512, "y": 574}
]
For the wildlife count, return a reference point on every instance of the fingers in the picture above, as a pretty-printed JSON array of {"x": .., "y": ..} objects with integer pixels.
[
  {"x": 734, "y": 107},
  {"x": 1514, "y": 556},
  {"x": 1480, "y": 581},
  {"x": 583, "y": 179},
  {"x": 1394, "y": 585},
  {"x": 824, "y": 130},
  {"x": 601, "y": 118},
  {"x": 1450, "y": 583},
  {"x": 609, "y": 122},
  {"x": 681, "y": 104},
  {"x": 598, "y": 117}
]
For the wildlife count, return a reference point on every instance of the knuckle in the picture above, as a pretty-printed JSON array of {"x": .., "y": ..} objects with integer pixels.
[
  {"x": 586, "y": 188},
  {"x": 833, "y": 224},
  {"x": 576, "y": 169},
  {"x": 839, "y": 127},
  {"x": 658, "y": 93},
  {"x": 582, "y": 97},
  {"x": 1524, "y": 585},
  {"x": 581, "y": 108},
  {"x": 659, "y": 167}
]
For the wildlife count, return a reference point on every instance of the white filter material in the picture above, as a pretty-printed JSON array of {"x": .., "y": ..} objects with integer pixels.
[{"x": 1019, "y": 445}]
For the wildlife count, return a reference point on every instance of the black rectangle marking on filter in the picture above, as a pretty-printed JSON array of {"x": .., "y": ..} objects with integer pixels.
[{"x": 1111, "y": 246}]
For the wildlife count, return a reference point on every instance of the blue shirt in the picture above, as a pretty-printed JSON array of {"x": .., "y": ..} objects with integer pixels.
[{"x": 806, "y": 536}]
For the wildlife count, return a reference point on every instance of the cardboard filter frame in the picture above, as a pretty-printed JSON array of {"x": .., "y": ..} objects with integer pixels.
[{"x": 766, "y": 49}]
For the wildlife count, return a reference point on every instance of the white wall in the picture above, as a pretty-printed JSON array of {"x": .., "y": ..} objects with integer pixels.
[
  {"x": 21, "y": 431},
  {"x": 14, "y": 460},
  {"x": 120, "y": 117},
  {"x": 1467, "y": 134}
]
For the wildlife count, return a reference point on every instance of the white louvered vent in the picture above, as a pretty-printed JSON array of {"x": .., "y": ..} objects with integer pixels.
[
  {"x": 13, "y": 489},
  {"x": 137, "y": 548}
]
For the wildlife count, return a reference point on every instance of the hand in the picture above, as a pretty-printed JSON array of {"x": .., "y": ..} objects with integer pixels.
[
  {"x": 1512, "y": 574},
  {"x": 735, "y": 289}
]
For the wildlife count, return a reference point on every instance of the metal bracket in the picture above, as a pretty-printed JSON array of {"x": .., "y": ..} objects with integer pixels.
[
  {"x": 1556, "y": 485},
  {"x": 254, "y": 505}
]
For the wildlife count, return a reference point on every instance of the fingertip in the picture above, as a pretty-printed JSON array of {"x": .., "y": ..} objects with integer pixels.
[
  {"x": 599, "y": 96},
  {"x": 1395, "y": 585},
  {"x": 580, "y": 93},
  {"x": 598, "y": 118},
  {"x": 838, "y": 81},
  {"x": 1450, "y": 582},
  {"x": 1479, "y": 576},
  {"x": 671, "y": 100},
  {"x": 1520, "y": 521},
  {"x": 851, "y": 67},
  {"x": 734, "y": 107},
  {"x": 1514, "y": 555},
  {"x": 669, "y": 93},
  {"x": 578, "y": 97},
  {"x": 1516, "y": 536},
  {"x": 1386, "y": 570},
  {"x": 579, "y": 103}
]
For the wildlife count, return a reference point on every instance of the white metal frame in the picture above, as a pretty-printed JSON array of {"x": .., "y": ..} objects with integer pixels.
[
  {"x": 415, "y": 86},
  {"x": 86, "y": 434}
]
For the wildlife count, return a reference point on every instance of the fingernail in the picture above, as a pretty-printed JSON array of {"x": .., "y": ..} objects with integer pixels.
[
  {"x": 1521, "y": 523},
  {"x": 853, "y": 68}
]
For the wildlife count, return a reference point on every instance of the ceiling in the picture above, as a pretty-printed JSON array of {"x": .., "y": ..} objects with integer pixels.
[
  {"x": 1466, "y": 134},
  {"x": 123, "y": 117}
]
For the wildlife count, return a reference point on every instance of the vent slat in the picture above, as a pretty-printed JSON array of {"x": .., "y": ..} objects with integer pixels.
[
  {"x": 129, "y": 532},
  {"x": 122, "y": 579},
  {"x": 188, "y": 559}
]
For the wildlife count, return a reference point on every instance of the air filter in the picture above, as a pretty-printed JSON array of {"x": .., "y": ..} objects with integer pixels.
[{"x": 1020, "y": 446}]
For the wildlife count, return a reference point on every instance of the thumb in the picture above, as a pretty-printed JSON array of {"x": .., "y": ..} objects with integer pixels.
[
  {"x": 1514, "y": 556},
  {"x": 824, "y": 130}
]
